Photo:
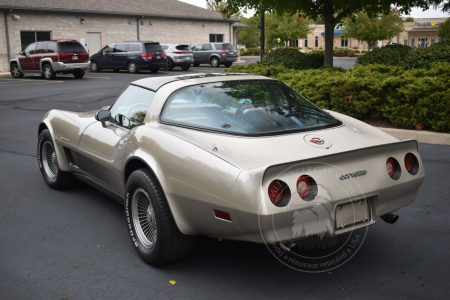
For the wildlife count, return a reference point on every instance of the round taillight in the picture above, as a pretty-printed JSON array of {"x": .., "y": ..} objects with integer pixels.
[
  {"x": 306, "y": 188},
  {"x": 390, "y": 166},
  {"x": 393, "y": 168},
  {"x": 279, "y": 193},
  {"x": 411, "y": 164}
]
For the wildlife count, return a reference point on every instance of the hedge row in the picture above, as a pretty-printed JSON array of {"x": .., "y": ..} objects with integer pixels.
[
  {"x": 407, "y": 57},
  {"x": 294, "y": 59},
  {"x": 406, "y": 98}
]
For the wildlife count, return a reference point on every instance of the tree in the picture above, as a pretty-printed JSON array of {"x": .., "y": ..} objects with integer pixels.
[
  {"x": 331, "y": 11},
  {"x": 215, "y": 6},
  {"x": 444, "y": 30},
  {"x": 249, "y": 37},
  {"x": 409, "y": 19},
  {"x": 380, "y": 27},
  {"x": 286, "y": 26}
]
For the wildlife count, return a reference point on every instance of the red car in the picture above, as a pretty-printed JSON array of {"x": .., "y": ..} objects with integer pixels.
[{"x": 49, "y": 58}]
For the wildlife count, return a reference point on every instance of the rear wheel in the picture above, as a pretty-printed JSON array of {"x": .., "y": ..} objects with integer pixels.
[
  {"x": 94, "y": 67},
  {"x": 185, "y": 67},
  {"x": 153, "y": 231},
  {"x": 215, "y": 62},
  {"x": 48, "y": 72},
  {"x": 48, "y": 163},
  {"x": 132, "y": 68},
  {"x": 15, "y": 71},
  {"x": 78, "y": 75},
  {"x": 169, "y": 65}
]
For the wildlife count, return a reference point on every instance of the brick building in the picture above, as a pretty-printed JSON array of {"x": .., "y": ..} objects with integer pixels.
[
  {"x": 420, "y": 33},
  {"x": 96, "y": 23}
]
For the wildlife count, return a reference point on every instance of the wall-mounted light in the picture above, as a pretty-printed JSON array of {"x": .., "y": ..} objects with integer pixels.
[
  {"x": 203, "y": 24},
  {"x": 129, "y": 22},
  {"x": 16, "y": 17},
  {"x": 81, "y": 21},
  {"x": 142, "y": 22},
  {"x": 150, "y": 23}
]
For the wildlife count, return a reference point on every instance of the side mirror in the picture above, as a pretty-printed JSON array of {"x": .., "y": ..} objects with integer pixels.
[
  {"x": 103, "y": 116},
  {"x": 22, "y": 52}
]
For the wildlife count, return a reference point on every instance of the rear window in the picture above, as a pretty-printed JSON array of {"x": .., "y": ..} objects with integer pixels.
[
  {"x": 250, "y": 107},
  {"x": 225, "y": 46},
  {"x": 153, "y": 47},
  {"x": 182, "y": 47},
  {"x": 71, "y": 47}
]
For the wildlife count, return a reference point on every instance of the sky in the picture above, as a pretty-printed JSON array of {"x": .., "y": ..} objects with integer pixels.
[{"x": 415, "y": 13}]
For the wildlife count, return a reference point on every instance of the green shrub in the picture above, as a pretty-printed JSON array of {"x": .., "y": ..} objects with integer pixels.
[
  {"x": 391, "y": 55},
  {"x": 294, "y": 59},
  {"x": 426, "y": 57},
  {"x": 404, "y": 98}
]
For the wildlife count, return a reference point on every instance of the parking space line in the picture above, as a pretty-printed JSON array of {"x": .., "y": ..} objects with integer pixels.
[
  {"x": 106, "y": 78},
  {"x": 8, "y": 81}
]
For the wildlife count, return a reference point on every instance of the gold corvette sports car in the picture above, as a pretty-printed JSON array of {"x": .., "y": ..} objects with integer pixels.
[{"x": 229, "y": 156}]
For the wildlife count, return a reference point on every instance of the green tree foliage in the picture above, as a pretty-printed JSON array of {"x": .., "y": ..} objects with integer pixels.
[
  {"x": 331, "y": 11},
  {"x": 249, "y": 37},
  {"x": 444, "y": 30},
  {"x": 409, "y": 19},
  {"x": 286, "y": 26},
  {"x": 372, "y": 29},
  {"x": 215, "y": 6}
]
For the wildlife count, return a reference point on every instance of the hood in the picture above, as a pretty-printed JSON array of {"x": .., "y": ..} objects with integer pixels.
[
  {"x": 252, "y": 152},
  {"x": 82, "y": 118}
]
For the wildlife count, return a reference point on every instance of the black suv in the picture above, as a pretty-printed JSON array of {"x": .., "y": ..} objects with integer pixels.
[
  {"x": 49, "y": 58},
  {"x": 131, "y": 56},
  {"x": 214, "y": 54}
]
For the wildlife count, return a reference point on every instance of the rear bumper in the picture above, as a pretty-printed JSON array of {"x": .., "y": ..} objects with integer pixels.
[
  {"x": 151, "y": 64},
  {"x": 62, "y": 67}
]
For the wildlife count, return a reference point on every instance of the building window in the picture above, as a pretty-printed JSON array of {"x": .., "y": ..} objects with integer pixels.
[
  {"x": 413, "y": 42},
  {"x": 433, "y": 41},
  {"x": 316, "y": 41},
  {"x": 344, "y": 42},
  {"x": 28, "y": 37},
  {"x": 293, "y": 43},
  {"x": 440, "y": 40},
  {"x": 216, "y": 38},
  {"x": 405, "y": 42},
  {"x": 306, "y": 43}
]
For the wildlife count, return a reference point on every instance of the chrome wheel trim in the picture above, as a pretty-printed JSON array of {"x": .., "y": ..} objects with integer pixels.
[
  {"x": 49, "y": 160},
  {"x": 47, "y": 71},
  {"x": 215, "y": 62},
  {"x": 15, "y": 71},
  {"x": 132, "y": 67},
  {"x": 94, "y": 67},
  {"x": 144, "y": 218}
]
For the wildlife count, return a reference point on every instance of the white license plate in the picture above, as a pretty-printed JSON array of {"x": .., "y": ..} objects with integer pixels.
[
  {"x": 74, "y": 57},
  {"x": 158, "y": 57},
  {"x": 352, "y": 213}
]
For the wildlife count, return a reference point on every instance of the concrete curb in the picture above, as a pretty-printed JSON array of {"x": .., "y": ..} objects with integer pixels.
[{"x": 425, "y": 137}]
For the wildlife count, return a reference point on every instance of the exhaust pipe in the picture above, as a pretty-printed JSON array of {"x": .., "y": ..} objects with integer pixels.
[{"x": 390, "y": 218}]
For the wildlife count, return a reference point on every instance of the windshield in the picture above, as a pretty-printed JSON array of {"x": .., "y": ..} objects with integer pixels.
[{"x": 244, "y": 107}]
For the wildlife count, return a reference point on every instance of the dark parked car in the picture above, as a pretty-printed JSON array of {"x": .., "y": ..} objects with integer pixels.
[
  {"x": 215, "y": 54},
  {"x": 178, "y": 55},
  {"x": 49, "y": 58},
  {"x": 131, "y": 56}
]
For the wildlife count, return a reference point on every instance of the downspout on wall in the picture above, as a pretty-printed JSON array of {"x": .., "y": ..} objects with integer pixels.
[{"x": 8, "y": 48}]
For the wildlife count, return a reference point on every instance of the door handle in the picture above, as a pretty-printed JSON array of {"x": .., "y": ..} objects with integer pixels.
[{"x": 123, "y": 141}]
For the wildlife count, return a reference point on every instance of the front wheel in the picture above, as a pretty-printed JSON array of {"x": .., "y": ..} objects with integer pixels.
[
  {"x": 215, "y": 62},
  {"x": 48, "y": 72},
  {"x": 94, "y": 67},
  {"x": 169, "y": 65},
  {"x": 48, "y": 163},
  {"x": 15, "y": 71},
  {"x": 152, "y": 228}
]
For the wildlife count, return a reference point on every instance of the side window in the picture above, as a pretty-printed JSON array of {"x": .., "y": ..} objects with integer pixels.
[
  {"x": 120, "y": 48},
  {"x": 108, "y": 49},
  {"x": 134, "y": 48},
  {"x": 40, "y": 48},
  {"x": 51, "y": 47},
  {"x": 197, "y": 48},
  {"x": 206, "y": 47},
  {"x": 30, "y": 49},
  {"x": 132, "y": 104},
  {"x": 165, "y": 47}
]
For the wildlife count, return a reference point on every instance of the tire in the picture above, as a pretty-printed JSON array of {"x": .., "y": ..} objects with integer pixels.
[
  {"x": 48, "y": 73},
  {"x": 132, "y": 68},
  {"x": 214, "y": 62},
  {"x": 78, "y": 75},
  {"x": 48, "y": 163},
  {"x": 161, "y": 242},
  {"x": 94, "y": 67},
  {"x": 15, "y": 71},
  {"x": 185, "y": 67},
  {"x": 169, "y": 65},
  {"x": 228, "y": 64},
  {"x": 154, "y": 70},
  {"x": 196, "y": 65}
]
